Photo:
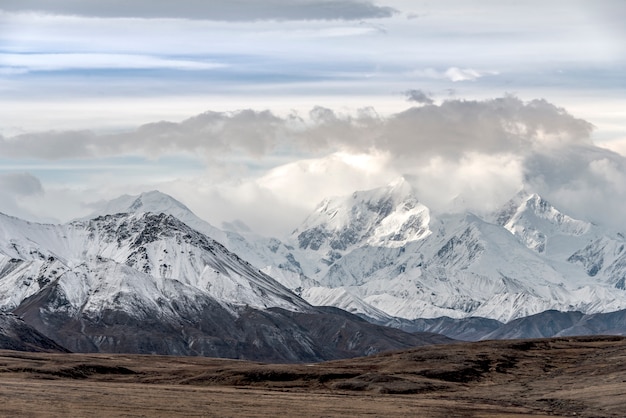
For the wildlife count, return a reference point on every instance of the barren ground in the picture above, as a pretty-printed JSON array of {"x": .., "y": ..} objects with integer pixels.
[{"x": 584, "y": 377}]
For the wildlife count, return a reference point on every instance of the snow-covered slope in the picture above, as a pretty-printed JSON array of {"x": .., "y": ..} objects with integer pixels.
[
  {"x": 160, "y": 246},
  {"x": 156, "y": 202},
  {"x": 383, "y": 217},
  {"x": 535, "y": 221},
  {"x": 148, "y": 283},
  {"x": 380, "y": 254},
  {"x": 269, "y": 255},
  {"x": 525, "y": 258}
]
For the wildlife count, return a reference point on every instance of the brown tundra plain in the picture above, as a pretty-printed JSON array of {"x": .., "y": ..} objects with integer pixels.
[{"x": 577, "y": 376}]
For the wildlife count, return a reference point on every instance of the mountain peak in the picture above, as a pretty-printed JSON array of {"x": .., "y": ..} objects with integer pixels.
[
  {"x": 534, "y": 220},
  {"x": 540, "y": 208},
  {"x": 511, "y": 207},
  {"x": 156, "y": 202},
  {"x": 401, "y": 185},
  {"x": 152, "y": 201},
  {"x": 386, "y": 216}
]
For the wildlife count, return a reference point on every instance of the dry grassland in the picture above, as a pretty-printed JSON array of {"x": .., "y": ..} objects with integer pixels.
[{"x": 584, "y": 377}]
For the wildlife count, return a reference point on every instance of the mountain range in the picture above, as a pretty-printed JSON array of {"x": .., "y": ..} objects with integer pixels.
[
  {"x": 382, "y": 251},
  {"x": 146, "y": 282},
  {"x": 371, "y": 271}
]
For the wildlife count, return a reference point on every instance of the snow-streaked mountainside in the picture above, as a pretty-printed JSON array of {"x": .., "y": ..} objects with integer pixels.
[
  {"x": 270, "y": 255},
  {"x": 142, "y": 253},
  {"x": 381, "y": 253},
  {"x": 523, "y": 259},
  {"x": 145, "y": 282},
  {"x": 147, "y": 266}
]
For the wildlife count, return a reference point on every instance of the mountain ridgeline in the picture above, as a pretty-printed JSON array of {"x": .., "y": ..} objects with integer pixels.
[
  {"x": 146, "y": 282},
  {"x": 384, "y": 255},
  {"x": 373, "y": 271}
]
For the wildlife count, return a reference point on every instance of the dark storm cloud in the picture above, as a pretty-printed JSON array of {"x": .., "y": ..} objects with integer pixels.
[{"x": 219, "y": 10}]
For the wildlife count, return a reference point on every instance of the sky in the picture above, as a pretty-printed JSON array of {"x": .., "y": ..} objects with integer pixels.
[{"x": 258, "y": 110}]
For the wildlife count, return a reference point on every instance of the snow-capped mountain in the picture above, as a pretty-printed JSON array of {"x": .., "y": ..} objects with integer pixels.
[
  {"x": 158, "y": 245},
  {"x": 146, "y": 282},
  {"x": 270, "y": 255},
  {"x": 533, "y": 221},
  {"x": 381, "y": 253},
  {"x": 156, "y": 202},
  {"x": 523, "y": 259},
  {"x": 146, "y": 266},
  {"x": 384, "y": 217}
]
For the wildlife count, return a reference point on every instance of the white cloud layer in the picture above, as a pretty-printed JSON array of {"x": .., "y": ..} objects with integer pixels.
[
  {"x": 22, "y": 63},
  {"x": 453, "y": 74}
]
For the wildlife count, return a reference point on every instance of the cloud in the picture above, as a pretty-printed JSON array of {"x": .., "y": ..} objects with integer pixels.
[
  {"x": 449, "y": 130},
  {"x": 418, "y": 96},
  {"x": 270, "y": 170},
  {"x": 617, "y": 145},
  {"x": 15, "y": 189},
  {"x": 477, "y": 182},
  {"x": 462, "y": 74},
  {"x": 22, "y": 63},
  {"x": 280, "y": 198},
  {"x": 587, "y": 182},
  {"x": 23, "y": 184},
  {"x": 306, "y": 182},
  {"x": 53, "y": 145},
  {"x": 453, "y": 74},
  {"x": 493, "y": 126},
  {"x": 218, "y": 10},
  {"x": 211, "y": 133}
]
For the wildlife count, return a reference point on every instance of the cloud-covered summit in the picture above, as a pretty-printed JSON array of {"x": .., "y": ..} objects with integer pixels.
[
  {"x": 270, "y": 170},
  {"x": 218, "y": 10}
]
